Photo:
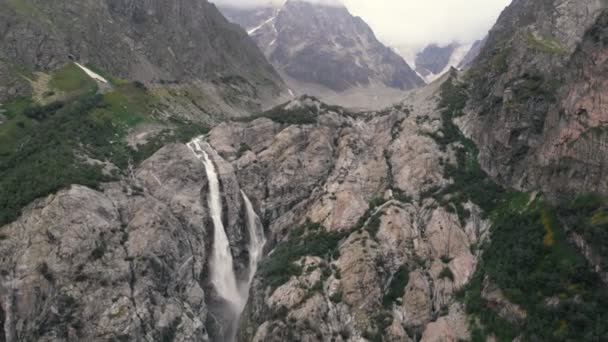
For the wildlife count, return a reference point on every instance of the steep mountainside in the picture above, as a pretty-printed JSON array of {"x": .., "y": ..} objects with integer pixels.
[
  {"x": 162, "y": 43},
  {"x": 323, "y": 49},
  {"x": 468, "y": 59},
  {"x": 120, "y": 220},
  {"x": 539, "y": 97}
]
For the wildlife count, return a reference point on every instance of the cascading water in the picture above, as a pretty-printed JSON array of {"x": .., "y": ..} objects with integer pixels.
[
  {"x": 222, "y": 265},
  {"x": 257, "y": 240},
  {"x": 222, "y": 275}
]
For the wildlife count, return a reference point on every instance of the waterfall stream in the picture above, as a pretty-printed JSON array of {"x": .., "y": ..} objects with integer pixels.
[
  {"x": 257, "y": 240},
  {"x": 222, "y": 275},
  {"x": 222, "y": 265}
]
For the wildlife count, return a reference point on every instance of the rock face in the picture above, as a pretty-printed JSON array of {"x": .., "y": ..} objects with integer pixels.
[
  {"x": 328, "y": 173},
  {"x": 159, "y": 42},
  {"x": 538, "y": 109},
  {"x": 128, "y": 262},
  {"x": 321, "y": 49},
  {"x": 470, "y": 57},
  {"x": 131, "y": 260}
]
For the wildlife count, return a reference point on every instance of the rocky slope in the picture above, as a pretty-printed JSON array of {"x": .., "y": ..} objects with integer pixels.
[
  {"x": 360, "y": 187},
  {"x": 470, "y": 57},
  {"x": 126, "y": 262},
  {"x": 181, "y": 46},
  {"x": 323, "y": 49},
  {"x": 131, "y": 259},
  {"x": 538, "y": 87},
  {"x": 381, "y": 225}
]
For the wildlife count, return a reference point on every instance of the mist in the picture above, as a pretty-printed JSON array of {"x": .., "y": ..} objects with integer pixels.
[{"x": 413, "y": 22}]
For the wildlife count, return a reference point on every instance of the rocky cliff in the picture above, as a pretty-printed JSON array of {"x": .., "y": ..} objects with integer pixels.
[
  {"x": 131, "y": 259},
  {"x": 350, "y": 212},
  {"x": 538, "y": 97},
  {"x": 124, "y": 262},
  {"x": 380, "y": 225},
  {"x": 168, "y": 44},
  {"x": 323, "y": 50}
]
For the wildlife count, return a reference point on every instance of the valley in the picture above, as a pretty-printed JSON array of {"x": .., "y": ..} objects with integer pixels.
[{"x": 283, "y": 181}]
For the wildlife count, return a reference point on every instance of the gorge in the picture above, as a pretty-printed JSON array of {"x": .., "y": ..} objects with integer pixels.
[{"x": 158, "y": 181}]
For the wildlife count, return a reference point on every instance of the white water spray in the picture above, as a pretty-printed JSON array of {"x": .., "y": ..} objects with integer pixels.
[
  {"x": 222, "y": 275},
  {"x": 222, "y": 265},
  {"x": 257, "y": 240}
]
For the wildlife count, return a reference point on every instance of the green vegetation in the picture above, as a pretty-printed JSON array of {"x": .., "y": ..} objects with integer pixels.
[
  {"x": 545, "y": 44},
  {"x": 397, "y": 286},
  {"x": 72, "y": 79},
  {"x": 531, "y": 260},
  {"x": 309, "y": 240},
  {"x": 299, "y": 115},
  {"x": 24, "y": 7},
  {"x": 587, "y": 215},
  {"x": 17, "y": 106},
  {"x": 128, "y": 105},
  {"x": 528, "y": 254},
  {"x": 242, "y": 149},
  {"x": 531, "y": 86},
  {"x": 45, "y": 148},
  {"x": 296, "y": 116},
  {"x": 446, "y": 273},
  {"x": 471, "y": 183},
  {"x": 370, "y": 221}
]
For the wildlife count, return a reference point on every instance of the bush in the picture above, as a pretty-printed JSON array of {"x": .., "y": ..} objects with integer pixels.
[
  {"x": 397, "y": 286},
  {"x": 446, "y": 273},
  {"x": 308, "y": 240},
  {"x": 529, "y": 271}
]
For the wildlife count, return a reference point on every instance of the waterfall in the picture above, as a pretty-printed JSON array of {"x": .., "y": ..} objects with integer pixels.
[
  {"x": 257, "y": 240},
  {"x": 222, "y": 265},
  {"x": 222, "y": 275}
]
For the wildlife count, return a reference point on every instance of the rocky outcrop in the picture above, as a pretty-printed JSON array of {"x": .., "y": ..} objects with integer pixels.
[
  {"x": 170, "y": 44},
  {"x": 131, "y": 260},
  {"x": 497, "y": 301},
  {"x": 538, "y": 90},
  {"x": 126, "y": 262},
  {"x": 328, "y": 173},
  {"x": 470, "y": 57}
]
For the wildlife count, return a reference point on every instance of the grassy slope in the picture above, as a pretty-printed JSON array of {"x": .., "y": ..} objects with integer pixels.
[{"x": 42, "y": 147}]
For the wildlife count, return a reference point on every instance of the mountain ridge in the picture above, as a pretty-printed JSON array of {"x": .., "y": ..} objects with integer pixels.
[
  {"x": 157, "y": 43},
  {"x": 339, "y": 52}
]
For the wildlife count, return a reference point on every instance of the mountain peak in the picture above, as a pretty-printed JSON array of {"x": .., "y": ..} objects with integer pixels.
[{"x": 320, "y": 48}]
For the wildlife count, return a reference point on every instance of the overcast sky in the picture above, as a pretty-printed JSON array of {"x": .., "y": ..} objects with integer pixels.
[{"x": 417, "y": 22}]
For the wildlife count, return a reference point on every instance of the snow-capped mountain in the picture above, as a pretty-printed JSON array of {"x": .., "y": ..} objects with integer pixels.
[
  {"x": 325, "y": 51},
  {"x": 434, "y": 60}
]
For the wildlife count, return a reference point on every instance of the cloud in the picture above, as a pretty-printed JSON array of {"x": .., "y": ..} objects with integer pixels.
[
  {"x": 269, "y": 3},
  {"x": 414, "y": 22}
]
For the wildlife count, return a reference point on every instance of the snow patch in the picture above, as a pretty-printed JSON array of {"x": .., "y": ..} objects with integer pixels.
[
  {"x": 255, "y": 29},
  {"x": 91, "y": 74}
]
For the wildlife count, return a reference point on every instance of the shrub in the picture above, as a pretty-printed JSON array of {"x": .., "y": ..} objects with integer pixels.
[
  {"x": 308, "y": 240},
  {"x": 446, "y": 273},
  {"x": 397, "y": 286}
]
